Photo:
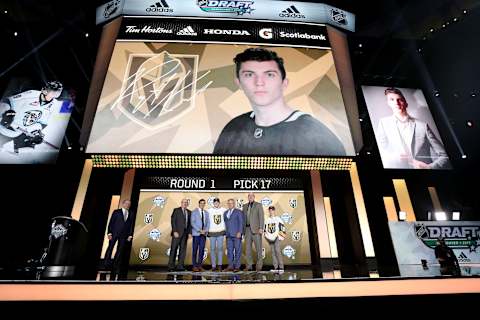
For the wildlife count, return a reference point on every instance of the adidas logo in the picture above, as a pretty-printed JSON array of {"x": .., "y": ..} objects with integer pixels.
[
  {"x": 187, "y": 31},
  {"x": 161, "y": 6},
  {"x": 463, "y": 257},
  {"x": 291, "y": 12}
]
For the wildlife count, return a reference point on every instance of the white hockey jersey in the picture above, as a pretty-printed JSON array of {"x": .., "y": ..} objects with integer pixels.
[
  {"x": 274, "y": 228},
  {"x": 217, "y": 224},
  {"x": 31, "y": 114}
]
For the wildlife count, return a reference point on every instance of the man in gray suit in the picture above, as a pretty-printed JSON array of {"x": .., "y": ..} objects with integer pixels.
[
  {"x": 181, "y": 229},
  {"x": 254, "y": 222},
  {"x": 406, "y": 142}
]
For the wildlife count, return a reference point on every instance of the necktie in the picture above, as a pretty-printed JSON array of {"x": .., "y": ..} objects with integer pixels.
[
  {"x": 203, "y": 225},
  {"x": 229, "y": 213},
  {"x": 125, "y": 215},
  {"x": 186, "y": 218}
]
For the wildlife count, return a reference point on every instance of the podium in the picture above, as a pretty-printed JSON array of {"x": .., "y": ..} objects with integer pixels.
[{"x": 65, "y": 247}]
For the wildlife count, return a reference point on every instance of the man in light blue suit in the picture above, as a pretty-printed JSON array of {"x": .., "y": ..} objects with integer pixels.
[
  {"x": 200, "y": 224},
  {"x": 405, "y": 142},
  {"x": 234, "y": 228}
]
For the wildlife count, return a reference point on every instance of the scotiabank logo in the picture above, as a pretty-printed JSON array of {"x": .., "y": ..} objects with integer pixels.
[{"x": 266, "y": 33}]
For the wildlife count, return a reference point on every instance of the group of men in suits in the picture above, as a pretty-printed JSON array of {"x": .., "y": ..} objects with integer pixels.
[{"x": 246, "y": 223}]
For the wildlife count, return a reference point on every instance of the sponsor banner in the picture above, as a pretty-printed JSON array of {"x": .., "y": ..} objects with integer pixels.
[
  {"x": 238, "y": 9},
  {"x": 224, "y": 183},
  {"x": 416, "y": 241},
  {"x": 201, "y": 30}
]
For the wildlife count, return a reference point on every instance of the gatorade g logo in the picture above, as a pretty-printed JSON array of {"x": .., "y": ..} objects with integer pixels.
[{"x": 266, "y": 33}]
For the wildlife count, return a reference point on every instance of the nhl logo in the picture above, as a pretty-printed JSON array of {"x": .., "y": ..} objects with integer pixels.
[
  {"x": 154, "y": 235},
  {"x": 296, "y": 235},
  {"x": 31, "y": 117},
  {"x": 159, "y": 90},
  {"x": 293, "y": 203},
  {"x": 258, "y": 133},
  {"x": 266, "y": 201},
  {"x": 159, "y": 201},
  {"x": 148, "y": 218},
  {"x": 111, "y": 8},
  {"x": 338, "y": 16},
  {"x": 144, "y": 253},
  {"x": 58, "y": 231},
  {"x": 421, "y": 231}
]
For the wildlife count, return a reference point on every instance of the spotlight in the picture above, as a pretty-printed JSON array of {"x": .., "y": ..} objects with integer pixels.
[
  {"x": 473, "y": 94},
  {"x": 431, "y": 30},
  {"x": 443, "y": 25},
  {"x": 5, "y": 11},
  {"x": 402, "y": 215},
  {"x": 419, "y": 49},
  {"x": 456, "y": 215},
  {"x": 455, "y": 19},
  {"x": 86, "y": 35},
  {"x": 361, "y": 120},
  {"x": 437, "y": 94},
  {"x": 469, "y": 123},
  {"x": 368, "y": 152},
  {"x": 464, "y": 11},
  {"x": 15, "y": 34},
  {"x": 440, "y": 216},
  {"x": 360, "y": 45},
  {"x": 464, "y": 156}
]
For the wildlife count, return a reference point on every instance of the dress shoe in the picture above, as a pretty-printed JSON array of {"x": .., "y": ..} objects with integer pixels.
[
  {"x": 219, "y": 268},
  {"x": 229, "y": 269},
  {"x": 236, "y": 270},
  {"x": 180, "y": 269},
  {"x": 195, "y": 269}
]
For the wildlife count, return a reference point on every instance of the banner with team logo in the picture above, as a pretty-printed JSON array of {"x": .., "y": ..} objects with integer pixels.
[
  {"x": 152, "y": 233},
  {"x": 171, "y": 88},
  {"x": 238, "y": 9},
  {"x": 416, "y": 241}
]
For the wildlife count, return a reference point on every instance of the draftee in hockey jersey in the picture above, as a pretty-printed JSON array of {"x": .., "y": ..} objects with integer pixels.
[{"x": 298, "y": 134}]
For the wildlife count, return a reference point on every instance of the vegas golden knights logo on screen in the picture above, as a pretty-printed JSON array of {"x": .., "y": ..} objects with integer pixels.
[
  {"x": 217, "y": 218},
  {"x": 159, "y": 88},
  {"x": 272, "y": 227}
]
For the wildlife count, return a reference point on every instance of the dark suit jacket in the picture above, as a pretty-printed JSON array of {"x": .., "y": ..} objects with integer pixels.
[
  {"x": 118, "y": 227},
  {"x": 178, "y": 221},
  {"x": 234, "y": 224}
]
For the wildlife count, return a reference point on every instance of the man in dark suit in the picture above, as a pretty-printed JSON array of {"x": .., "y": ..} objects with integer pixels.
[
  {"x": 181, "y": 229},
  {"x": 234, "y": 226},
  {"x": 120, "y": 228}
]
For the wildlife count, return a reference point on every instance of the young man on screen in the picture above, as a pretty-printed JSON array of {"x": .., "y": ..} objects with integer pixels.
[
  {"x": 273, "y": 127},
  {"x": 405, "y": 142}
]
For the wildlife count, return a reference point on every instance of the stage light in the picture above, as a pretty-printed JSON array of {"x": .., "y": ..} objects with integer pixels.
[
  {"x": 402, "y": 215},
  {"x": 361, "y": 120},
  {"x": 473, "y": 94},
  {"x": 437, "y": 94},
  {"x": 368, "y": 152},
  {"x": 464, "y": 11},
  {"x": 443, "y": 25},
  {"x": 86, "y": 35},
  {"x": 440, "y": 216},
  {"x": 469, "y": 123},
  {"x": 455, "y": 19},
  {"x": 5, "y": 11},
  {"x": 456, "y": 215},
  {"x": 431, "y": 30},
  {"x": 15, "y": 34},
  {"x": 360, "y": 45},
  {"x": 419, "y": 49},
  {"x": 464, "y": 156}
]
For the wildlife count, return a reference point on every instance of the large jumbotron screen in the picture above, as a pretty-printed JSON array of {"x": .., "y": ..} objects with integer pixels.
[{"x": 173, "y": 90}]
